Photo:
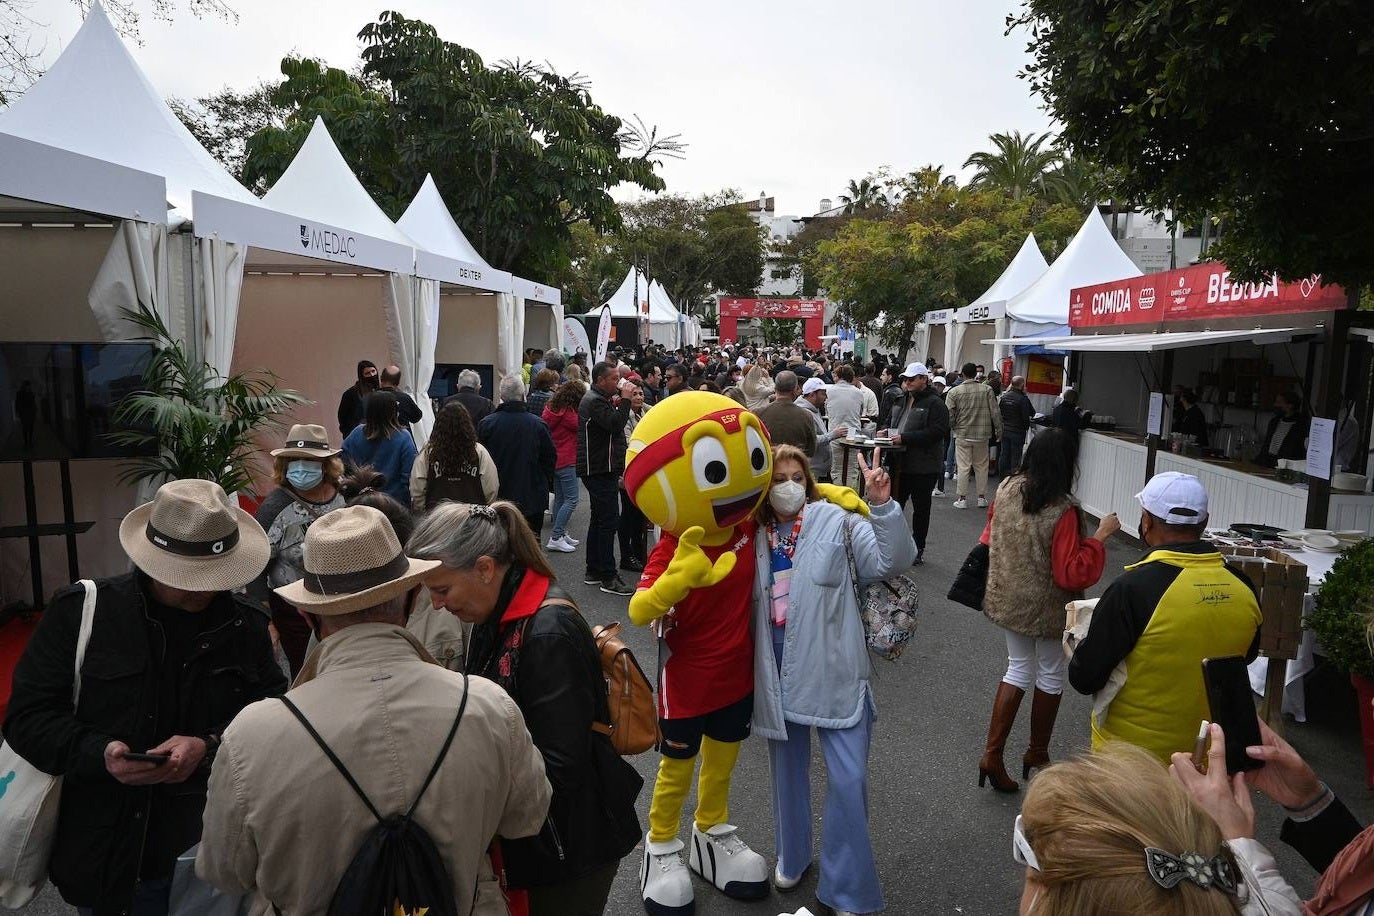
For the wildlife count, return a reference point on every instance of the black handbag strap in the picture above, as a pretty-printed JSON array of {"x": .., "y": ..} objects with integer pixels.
[
  {"x": 853, "y": 565},
  {"x": 353, "y": 783}
]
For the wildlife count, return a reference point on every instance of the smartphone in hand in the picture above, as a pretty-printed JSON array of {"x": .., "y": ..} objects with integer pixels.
[
  {"x": 148, "y": 758},
  {"x": 1233, "y": 708}
]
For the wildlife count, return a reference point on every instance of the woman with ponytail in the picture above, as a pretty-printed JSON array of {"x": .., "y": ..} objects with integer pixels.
[{"x": 530, "y": 638}]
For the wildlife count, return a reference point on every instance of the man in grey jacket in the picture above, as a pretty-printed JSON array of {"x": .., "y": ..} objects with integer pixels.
[{"x": 812, "y": 400}]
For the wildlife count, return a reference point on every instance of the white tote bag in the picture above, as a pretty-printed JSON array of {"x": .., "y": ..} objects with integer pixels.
[{"x": 29, "y": 799}]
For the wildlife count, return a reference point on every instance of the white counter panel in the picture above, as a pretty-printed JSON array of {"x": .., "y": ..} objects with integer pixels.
[
  {"x": 1110, "y": 473},
  {"x": 1236, "y": 497},
  {"x": 1349, "y": 511}
]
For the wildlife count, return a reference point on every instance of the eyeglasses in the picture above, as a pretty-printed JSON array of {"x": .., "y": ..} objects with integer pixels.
[{"x": 1021, "y": 851}]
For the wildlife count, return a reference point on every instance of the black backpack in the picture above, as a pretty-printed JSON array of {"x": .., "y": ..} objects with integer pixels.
[{"x": 397, "y": 869}]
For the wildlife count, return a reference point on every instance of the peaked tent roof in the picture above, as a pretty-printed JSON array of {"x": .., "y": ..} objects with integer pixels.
[
  {"x": 622, "y": 301},
  {"x": 1093, "y": 256},
  {"x": 428, "y": 221},
  {"x": 96, "y": 101},
  {"x": 1027, "y": 267}
]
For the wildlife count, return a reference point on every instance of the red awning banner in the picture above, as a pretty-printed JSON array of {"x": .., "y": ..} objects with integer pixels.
[{"x": 1200, "y": 291}]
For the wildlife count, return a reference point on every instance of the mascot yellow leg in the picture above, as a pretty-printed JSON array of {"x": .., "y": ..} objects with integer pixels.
[
  {"x": 670, "y": 792},
  {"x": 713, "y": 786}
]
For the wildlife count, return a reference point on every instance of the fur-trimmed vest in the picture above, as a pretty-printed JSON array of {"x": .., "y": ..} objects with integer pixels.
[{"x": 1021, "y": 593}]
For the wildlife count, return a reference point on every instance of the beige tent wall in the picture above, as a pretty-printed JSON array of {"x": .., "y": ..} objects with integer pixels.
[
  {"x": 538, "y": 326},
  {"x": 310, "y": 331},
  {"x": 935, "y": 346},
  {"x": 45, "y": 274},
  {"x": 973, "y": 349},
  {"x": 467, "y": 329}
]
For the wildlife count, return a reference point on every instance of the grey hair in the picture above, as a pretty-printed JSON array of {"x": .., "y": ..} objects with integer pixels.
[
  {"x": 786, "y": 382},
  {"x": 553, "y": 359},
  {"x": 469, "y": 378},
  {"x": 458, "y": 534},
  {"x": 512, "y": 388}
]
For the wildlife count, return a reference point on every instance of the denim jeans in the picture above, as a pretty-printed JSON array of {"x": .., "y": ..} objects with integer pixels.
[
  {"x": 565, "y": 498},
  {"x": 604, "y": 492},
  {"x": 1009, "y": 451}
]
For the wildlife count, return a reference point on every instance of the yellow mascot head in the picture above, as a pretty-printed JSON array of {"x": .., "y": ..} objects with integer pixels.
[{"x": 698, "y": 458}]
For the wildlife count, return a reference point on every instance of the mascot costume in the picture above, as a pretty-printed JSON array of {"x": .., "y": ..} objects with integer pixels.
[{"x": 698, "y": 466}]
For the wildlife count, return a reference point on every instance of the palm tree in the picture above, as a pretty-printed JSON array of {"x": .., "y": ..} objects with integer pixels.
[
  {"x": 1016, "y": 165},
  {"x": 865, "y": 194},
  {"x": 1075, "y": 182},
  {"x": 202, "y": 424}
]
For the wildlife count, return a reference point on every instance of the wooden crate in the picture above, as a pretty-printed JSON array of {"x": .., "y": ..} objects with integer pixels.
[{"x": 1282, "y": 584}]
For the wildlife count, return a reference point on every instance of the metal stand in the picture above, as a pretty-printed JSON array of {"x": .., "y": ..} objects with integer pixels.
[{"x": 68, "y": 527}]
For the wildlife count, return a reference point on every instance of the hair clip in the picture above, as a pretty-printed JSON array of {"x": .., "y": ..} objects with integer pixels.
[
  {"x": 1168, "y": 870},
  {"x": 486, "y": 512}
]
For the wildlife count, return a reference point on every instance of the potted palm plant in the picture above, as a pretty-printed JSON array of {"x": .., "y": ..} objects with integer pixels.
[
  {"x": 202, "y": 424},
  {"x": 1340, "y": 620}
]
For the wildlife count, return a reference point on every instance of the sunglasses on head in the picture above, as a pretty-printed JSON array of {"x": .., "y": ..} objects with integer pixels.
[{"x": 1021, "y": 851}]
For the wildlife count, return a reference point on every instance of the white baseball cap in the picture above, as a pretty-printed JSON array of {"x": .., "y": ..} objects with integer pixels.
[
  {"x": 812, "y": 385},
  {"x": 915, "y": 369},
  {"x": 1175, "y": 498}
]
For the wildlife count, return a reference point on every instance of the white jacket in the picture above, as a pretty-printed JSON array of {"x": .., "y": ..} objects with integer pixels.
[{"x": 1264, "y": 892}]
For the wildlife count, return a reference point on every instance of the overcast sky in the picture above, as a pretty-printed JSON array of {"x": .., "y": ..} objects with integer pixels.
[{"x": 791, "y": 98}]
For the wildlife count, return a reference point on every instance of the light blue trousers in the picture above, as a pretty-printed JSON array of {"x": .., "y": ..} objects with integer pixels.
[
  {"x": 565, "y": 498},
  {"x": 849, "y": 875}
]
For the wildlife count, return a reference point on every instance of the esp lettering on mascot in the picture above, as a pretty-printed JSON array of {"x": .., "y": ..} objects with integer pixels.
[{"x": 698, "y": 466}]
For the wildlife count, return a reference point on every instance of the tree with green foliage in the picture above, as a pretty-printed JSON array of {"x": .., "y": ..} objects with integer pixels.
[
  {"x": 780, "y": 332},
  {"x": 1257, "y": 112},
  {"x": 694, "y": 246},
  {"x": 520, "y": 152},
  {"x": 865, "y": 194},
  {"x": 1016, "y": 164},
  {"x": 223, "y": 121},
  {"x": 942, "y": 247}
]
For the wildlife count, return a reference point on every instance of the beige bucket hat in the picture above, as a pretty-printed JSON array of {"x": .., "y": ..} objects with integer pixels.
[
  {"x": 191, "y": 537},
  {"x": 306, "y": 440},
  {"x": 352, "y": 562}
]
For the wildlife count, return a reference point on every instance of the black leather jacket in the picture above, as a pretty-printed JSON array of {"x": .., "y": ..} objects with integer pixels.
[
  {"x": 544, "y": 657},
  {"x": 102, "y": 833}
]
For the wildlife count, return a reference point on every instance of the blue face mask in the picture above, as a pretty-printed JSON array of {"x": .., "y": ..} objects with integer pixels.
[{"x": 304, "y": 474}]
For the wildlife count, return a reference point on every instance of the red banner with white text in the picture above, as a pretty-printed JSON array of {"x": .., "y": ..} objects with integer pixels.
[
  {"x": 772, "y": 308},
  {"x": 1200, "y": 291}
]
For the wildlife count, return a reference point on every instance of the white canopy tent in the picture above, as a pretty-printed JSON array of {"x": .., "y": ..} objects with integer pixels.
[
  {"x": 492, "y": 329},
  {"x": 663, "y": 315},
  {"x": 1093, "y": 256},
  {"x": 82, "y": 153},
  {"x": 1028, "y": 266},
  {"x": 322, "y": 245}
]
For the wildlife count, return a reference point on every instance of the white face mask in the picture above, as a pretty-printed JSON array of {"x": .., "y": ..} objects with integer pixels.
[{"x": 787, "y": 497}]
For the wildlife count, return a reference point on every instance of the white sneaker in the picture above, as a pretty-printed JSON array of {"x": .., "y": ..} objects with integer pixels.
[
  {"x": 982, "y": 502},
  {"x": 664, "y": 882},
  {"x": 722, "y": 858},
  {"x": 571, "y": 540},
  {"x": 948, "y": 476},
  {"x": 961, "y": 503},
  {"x": 560, "y": 545},
  {"x": 938, "y": 493}
]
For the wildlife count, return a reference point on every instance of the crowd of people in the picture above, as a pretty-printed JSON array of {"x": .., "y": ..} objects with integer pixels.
[{"x": 259, "y": 685}]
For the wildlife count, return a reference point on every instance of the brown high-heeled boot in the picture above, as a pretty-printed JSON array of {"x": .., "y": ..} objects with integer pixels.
[
  {"x": 1044, "y": 710},
  {"x": 1003, "y": 715}
]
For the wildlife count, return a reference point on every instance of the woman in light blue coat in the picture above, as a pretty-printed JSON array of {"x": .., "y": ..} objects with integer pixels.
[{"x": 811, "y": 670}]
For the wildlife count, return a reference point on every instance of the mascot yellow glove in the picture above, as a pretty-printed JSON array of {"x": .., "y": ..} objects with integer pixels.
[
  {"x": 843, "y": 497},
  {"x": 689, "y": 569}
]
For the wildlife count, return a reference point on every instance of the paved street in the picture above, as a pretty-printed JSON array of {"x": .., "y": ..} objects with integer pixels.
[{"x": 943, "y": 845}]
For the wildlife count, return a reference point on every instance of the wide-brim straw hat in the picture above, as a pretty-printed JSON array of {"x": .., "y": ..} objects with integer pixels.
[
  {"x": 306, "y": 441},
  {"x": 192, "y": 538},
  {"x": 353, "y": 562}
]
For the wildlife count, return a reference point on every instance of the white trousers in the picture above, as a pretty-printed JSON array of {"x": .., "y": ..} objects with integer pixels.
[{"x": 1041, "y": 662}]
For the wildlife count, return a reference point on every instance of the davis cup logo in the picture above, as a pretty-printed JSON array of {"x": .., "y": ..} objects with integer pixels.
[
  {"x": 305, "y": 236},
  {"x": 1146, "y": 299}
]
